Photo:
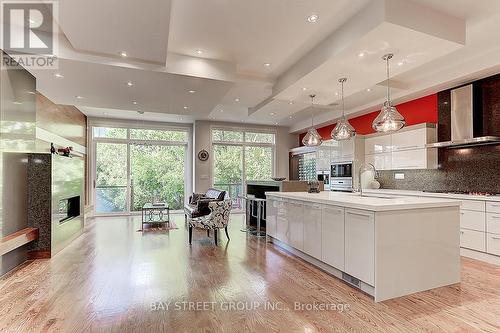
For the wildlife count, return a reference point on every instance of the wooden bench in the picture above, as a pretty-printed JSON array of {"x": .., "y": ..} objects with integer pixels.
[{"x": 17, "y": 239}]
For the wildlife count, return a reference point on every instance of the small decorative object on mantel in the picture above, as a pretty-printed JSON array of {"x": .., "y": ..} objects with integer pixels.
[
  {"x": 203, "y": 155},
  {"x": 52, "y": 148},
  {"x": 65, "y": 151},
  {"x": 313, "y": 186}
]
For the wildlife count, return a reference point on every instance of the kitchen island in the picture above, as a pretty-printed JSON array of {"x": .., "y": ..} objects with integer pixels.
[{"x": 385, "y": 246}]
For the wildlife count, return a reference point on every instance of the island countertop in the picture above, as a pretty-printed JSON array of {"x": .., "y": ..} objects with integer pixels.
[{"x": 369, "y": 201}]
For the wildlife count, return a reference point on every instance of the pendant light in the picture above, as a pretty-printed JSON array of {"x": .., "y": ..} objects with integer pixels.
[
  {"x": 312, "y": 137},
  {"x": 343, "y": 130},
  {"x": 389, "y": 119}
]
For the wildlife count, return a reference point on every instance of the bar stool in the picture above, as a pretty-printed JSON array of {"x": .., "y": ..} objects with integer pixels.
[
  {"x": 248, "y": 208},
  {"x": 261, "y": 203}
]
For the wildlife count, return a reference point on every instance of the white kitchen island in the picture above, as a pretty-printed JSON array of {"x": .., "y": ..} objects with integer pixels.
[{"x": 387, "y": 247}]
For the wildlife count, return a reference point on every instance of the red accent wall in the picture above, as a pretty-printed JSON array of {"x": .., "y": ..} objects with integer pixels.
[{"x": 421, "y": 110}]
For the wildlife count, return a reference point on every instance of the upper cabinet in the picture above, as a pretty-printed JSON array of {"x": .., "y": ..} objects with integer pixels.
[
  {"x": 402, "y": 150},
  {"x": 378, "y": 144},
  {"x": 413, "y": 139}
]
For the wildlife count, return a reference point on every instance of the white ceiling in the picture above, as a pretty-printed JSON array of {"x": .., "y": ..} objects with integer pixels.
[{"x": 238, "y": 36}]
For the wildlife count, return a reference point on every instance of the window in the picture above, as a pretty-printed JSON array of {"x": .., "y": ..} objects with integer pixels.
[
  {"x": 134, "y": 166},
  {"x": 158, "y": 135},
  {"x": 241, "y": 156},
  {"x": 110, "y": 132}
]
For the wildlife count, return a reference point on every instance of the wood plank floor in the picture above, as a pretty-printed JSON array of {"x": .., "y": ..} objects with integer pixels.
[{"x": 109, "y": 279}]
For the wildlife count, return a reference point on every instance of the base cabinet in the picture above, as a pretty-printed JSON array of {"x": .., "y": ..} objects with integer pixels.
[
  {"x": 312, "y": 230},
  {"x": 282, "y": 228},
  {"x": 360, "y": 245},
  {"x": 332, "y": 237},
  {"x": 296, "y": 224},
  {"x": 271, "y": 217}
]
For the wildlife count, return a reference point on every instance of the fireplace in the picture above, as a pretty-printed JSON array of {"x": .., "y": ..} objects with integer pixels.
[{"x": 69, "y": 208}]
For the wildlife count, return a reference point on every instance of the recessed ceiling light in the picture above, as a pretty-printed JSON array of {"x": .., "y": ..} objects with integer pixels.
[
  {"x": 221, "y": 110},
  {"x": 237, "y": 100},
  {"x": 290, "y": 117},
  {"x": 361, "y": 54},
  {"x": 79, "y": 97},
  {"x": 267, "y": 64},
  {"x": 192, "y": 91},
  {"x": 123, "y": 54},
  {"x": 140, "y": 112},
  {"x": 401, "y": 63},
  {"x": 336, "y": 93},
  {"x": 276, "y": 123},
  {"x": 186, "y": 107},
  {"x": 368, "y": 90},
  {"x": 313, "y": 18},
  {"x": 130, "y": 83},
  {"x": 135, "y": 102},
  {"x": 17, "y": 103},
  {"x": 199, "y": 51},
  {"x": 304, "y": 89},
  {"x": 291, "y": 102},
  {"x": 59, "y": 75},
  {"x": 271, "y": 114}
]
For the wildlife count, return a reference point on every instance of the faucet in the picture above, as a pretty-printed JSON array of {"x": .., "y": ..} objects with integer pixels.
[{"x": 365, "y": 167}]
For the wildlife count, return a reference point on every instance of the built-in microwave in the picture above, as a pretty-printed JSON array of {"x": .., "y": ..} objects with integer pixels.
[{"x": 341, "y": 177}]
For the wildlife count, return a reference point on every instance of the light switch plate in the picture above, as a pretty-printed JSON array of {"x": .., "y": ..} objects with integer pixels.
[{"x": 399, "y": 175}]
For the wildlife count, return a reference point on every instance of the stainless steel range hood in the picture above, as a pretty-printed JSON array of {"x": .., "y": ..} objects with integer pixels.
[{"x": 462, "y": 121}]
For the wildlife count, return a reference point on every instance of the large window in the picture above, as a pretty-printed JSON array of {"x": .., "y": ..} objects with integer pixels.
[
  {"x": 134, "y": 166},
  {"x": 241, "y": 156}
]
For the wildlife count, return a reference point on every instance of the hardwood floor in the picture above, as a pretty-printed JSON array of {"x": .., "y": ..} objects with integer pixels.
[{"x": 111, "y": 278}]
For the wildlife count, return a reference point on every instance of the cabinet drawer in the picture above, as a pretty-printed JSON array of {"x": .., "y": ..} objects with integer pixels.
[
  {"x": 493, "y": 207},
  {"x": 473, "y": 205},
  {"x": 474, "y": 220},
  {"x": 493, "y": 244},
  {"x": 493, "y": 223},
  {"x": 474, "y": 240}
]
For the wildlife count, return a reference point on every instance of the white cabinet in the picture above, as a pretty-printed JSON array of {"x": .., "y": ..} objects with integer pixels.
[
  {"x": 271, "y": 216},
  {"x": 381, "y": 161},
  {"x": 493, "y": 223},
  {"x": 378, "y": 144},
  {"x": 473, "y": 220},
  {"x": 295, "y": 216},
  {"x": 323, "y": 158},
  {"x": 474, "y": 240},
  {"x": 312, "y": 230},
  {"x": 347, "y": 151},
  {"x": 414, "y": 159},
  {"x": 403, "y": 150},
  {"x": 332, "y": 236},
  {"x": 493, "y": 244},
  {"x": 413, "y": 139},
  {"x": 282, "y": 227},
  {"x": 360, "y": 245},
  {"x": 493, "y": 207}
]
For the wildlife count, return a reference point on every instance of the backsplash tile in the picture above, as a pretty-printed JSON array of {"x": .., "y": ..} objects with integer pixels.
[{"x": 473, "y": 169}]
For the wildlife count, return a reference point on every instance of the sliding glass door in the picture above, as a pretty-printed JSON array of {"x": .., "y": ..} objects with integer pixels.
[
  {"x": 111, "y": 178},
  {"x": 137, "y": 166},
  {"x": 157, "y": 174}
]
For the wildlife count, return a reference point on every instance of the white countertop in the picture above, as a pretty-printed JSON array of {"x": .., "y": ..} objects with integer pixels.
[
  {"x": 495, "y": 198},
  {"x": 354, "y": 200}
]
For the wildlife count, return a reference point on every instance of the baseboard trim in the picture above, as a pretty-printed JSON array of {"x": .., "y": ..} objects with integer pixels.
[{"x": 489, "y": 258}]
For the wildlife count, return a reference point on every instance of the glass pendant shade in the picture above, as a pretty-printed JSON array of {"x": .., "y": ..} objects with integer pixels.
[
  {"x": 312, "y": 138},
  {"x": 343, "y": 130},
  {"x": 389, "y": 119}
]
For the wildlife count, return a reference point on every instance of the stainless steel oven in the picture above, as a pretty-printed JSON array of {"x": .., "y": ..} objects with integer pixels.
[{"x": 341, "y": 177}]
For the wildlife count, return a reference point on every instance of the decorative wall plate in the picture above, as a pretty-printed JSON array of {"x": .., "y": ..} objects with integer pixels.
[{"x": 203, "y": 155}]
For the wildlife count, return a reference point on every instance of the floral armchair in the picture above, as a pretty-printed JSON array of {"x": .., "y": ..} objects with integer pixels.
[{"x": 217, "y": 219}]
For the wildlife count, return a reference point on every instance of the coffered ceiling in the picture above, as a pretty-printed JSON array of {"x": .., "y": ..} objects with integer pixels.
[{"x": 258, "y": 61}]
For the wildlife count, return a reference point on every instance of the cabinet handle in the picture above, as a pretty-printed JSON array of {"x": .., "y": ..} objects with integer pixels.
[
  {"x": 495, "y": 238},
  {"x": 493, "y": 205},
  {"x": 462, "y": 232},
  {"x": 359, "y": 214},
  {"x": 462, "y": 213},
  {"x": 495, "y": 217},
  {"x": 409, "y": 166},
  {"x": 405, "y": 147},
  {"x": 334, "y": 210}
]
